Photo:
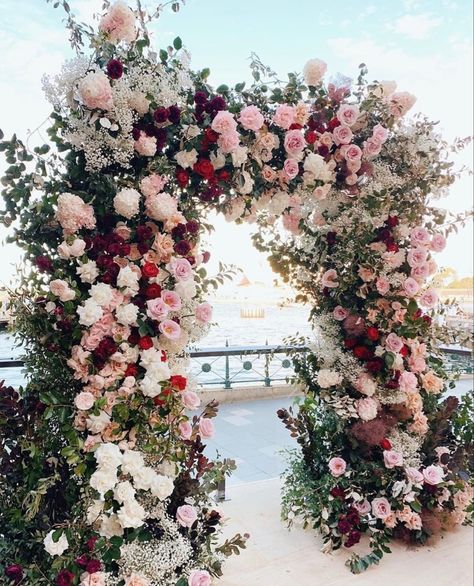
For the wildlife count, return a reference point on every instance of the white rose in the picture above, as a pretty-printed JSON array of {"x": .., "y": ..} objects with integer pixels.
[
  {"x": 278, "y": 203},
  {"x": 84, "y": 400},
  {"x": 186, "y": 158},
  {"x": 58, "y": 547},
  {"x": 108, "y": 455},
  {"x": 239, "y": 156},
  {"x": 217, "y": 159},
  {"x": 128, "y": 279},
  {"x": 97, "y": 423},
  {"x": 110, "y": 527},
  {"x": 127, "y": 203},
  {"x": 162, "y": 487},
  {"x": 186, "y": 289},
  {"x": 127, "y": 314},
  {"x": 132, "y": 514},
  {"x": 314, "y": 71},
  {"x": 190, "y": 131},
  {"x": 328, "y": 378},
  {"x": 88, "y": 271},
  {"x": 150, "y": 387},
  {"x": 102, "y": 294},
  {"x": 103, "y": 480},
  {"x": 143, "y": 479},
  {"x": 124, "y": 492},
  {"x": 89, "y": 313},
  {"x": 94, "y": 511},
  {"x": 132, "y": 462}
]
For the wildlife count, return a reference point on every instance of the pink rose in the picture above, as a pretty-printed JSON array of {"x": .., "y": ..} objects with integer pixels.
[
  {"x": 191, "y": 400},
  {"x": 351, "y": 152},
  {"x": 136, "y": 580},
  {"x": 394, "y": 343},
  {"x": 347, "y": 114},
  {"x": 170, "y": 329},
  {"x": 438, "y": 243},
  {"x": 433, "y": 475},
  {"x": 421, "y": 272},
  {"x": 414, "y": 475},
  {"x": 95, "y": 91},
  {"x": 291, "y": 168},
  {"x": 180, "y": 268},
  {"x": 84, "y": 400},
  {"x": 229, "y": 142},
  {"x": 342, "y": 135},
  {"x": 284, "y": 116},
  {"x": 145, "y": 145},
  {"x": 203, "y": 313},
  {"x": 314, "y": 71},
  {"x": 251, "y": 118},
  {"x": 95, "y": 579},
  {"x": 329, "y": 279},
  {"x": 380, "y": 133},
  {"x": 337, "y": 466},
  {"x": 383, "y": 285},
  {"x": 157, "y": 309},
  {"x": 224, "y": 122},
  {"x": 294, "y": 142},
  {"x": 372, "y": 148},
  {"x": 185, "y": 430},
  {"x": 61, "y": 289},
  {"x": 362, "y": 508},
  {"x": 392, "y": 458},
  {"x": 199, "y": 578},
  {"x": 367, "y": 409},
  {"x": 429, "y": 298},
  {"x": 171, "y": 299},
  {"x": 381, "y": 508},
  {"x": 400, "y": 103},
  {"x": 411, "y": 287},
  {"x": 340, "y": 313},
  {"x": 420, "y": 236},
  {"x": 417, "y": 256},
  {"x": 119, "y": 23},
  {"x": 206, "y": 428},
  {"x": 186, "y": 515},
  {"x": 152, "y": 184},
  {"x": 408, "y": 383}
]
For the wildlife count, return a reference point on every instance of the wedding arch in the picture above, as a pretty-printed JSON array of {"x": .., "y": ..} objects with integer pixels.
[{"x": 103, "y": 476}]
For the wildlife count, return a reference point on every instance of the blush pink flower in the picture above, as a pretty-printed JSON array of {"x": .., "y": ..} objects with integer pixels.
[
  {"x": 433, "y": 475},
  {"x": 284, "y": 116},
  {"x": 348, "y": 114},
  {"x": 337, "y": 466},
  {"x": 339, "y": 313},
  {"x": 363, "y": 508},
  {"x": 329, "y": 279},
  {"x": 185, "y": 430},
  {"x": 393, "y": 343},
  {"x": 170, "y": 329},
  {"x": 380, "y": 133},
  {"x": 408, "y": 383},
  {"x": 206, "y": 428},
  {"x": 73, "y": 213},
  {"x": 351, "y": 152},
  {"x": 291, "y": 168},
  {"x": 224, "y": 122},
  {"x": 157, "y": 309},
  {"x": 429, "y": 298},
  {"x": 190, "y": 400},
  {"x": 61, "y": 289},
  {"x": 414, "y": 475},
  {"x": 119, "y": 23},
  {"x": 314, "y": 71},
  {"x": 251, "y": 118},
  {"x": 367, "y": 409},
  {"x": 438, "y": 243},
  {"x": 186, "y": 515},
  {"x": 411, "y": 287},
  {"x": 420, "y": 236},
  {"x": 199, "y": 578},
  {"x": 145, "y": 145},
  {"x": 180, "y": 268},
  {"x": 152, "y": 184},
  {"x": 229, "y": 142},
  {"x": 392, "y": 459},
  {"x": 383, "y": 285},
  {"x": 84, "y": 400},
  {"x": 372, "y": 148},
  {"x": 95, "y": 91},
  {"x": 400, "y": 103},
  {"x": 417, "y": 256},
  {"x": 381, "y": 508},
  {"x": 171, "y": 299},
  {"x": 294, "y": 142},
  {"x": 203, "y": 313},
  {"x": 342, "y": 135}
]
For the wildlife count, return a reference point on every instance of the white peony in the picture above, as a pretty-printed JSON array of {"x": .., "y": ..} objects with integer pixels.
[
  {"x": 328, "y": 378},
  {"x": 58, "y": 547},
  {"x": 108, "y": 455},
  {"x": 132, "y": 514},
  {"x": 314, "y": 164},
  {"x": 127, "y": 314},
  {"x": 127, "y": 203},
  {"x": 149, "y": 357},
  {"x": 110, "y": 527},
  {"x": 314, "y": 71},
  {"x": 132, "y": 462},
  {"x": 88, "y": 271},
  {"x": 124, "y": 492},
  {"x": 161, "y": 206},
  {"x": 159, "y": 371},
  {"x": 186, "y": 158},
  {"x": 162, "y": 487},
  {"x": 186, "y": 289},
  {"x": 89, "y": 313},
  {"x": 102, "y": 294},
  {"x": 103, "y": 480},
  {"x": 143, "y": 479},
  {"x": 150, "y": 387}
]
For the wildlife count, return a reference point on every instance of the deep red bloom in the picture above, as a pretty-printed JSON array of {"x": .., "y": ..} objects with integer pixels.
[
  {"x": 350, "y": 343},
  {"x": 149, "y": 270},
  {"x": 200, "y": 97},
  {"x": 131, "y": 370},
  {"x": 161, "y": 115},
  {"x": 114, "y": 69},
  {"x": 204, "y": 168},
  {"x": 44, "y": 263},
  {"x": 179, "y": 382},
  {"x": 344, "y": 526},
  {"x": 14, "y": 572},
  {"x": 223, "y": 175},
  {"x": 216, "y": 104},
  {"x": 182, "y": 247},
  {"x": 331, "y": 238},
  {"x": 182, "y": 177},
  {"x": 179, "y": 231},
  {"x": 143, "y": 247},
  {"x": 353, "y": 538},
  {"x": 211, "y": 135},
  {"x": 338, "y": 492},
  {"x": 174, "y": 114},
  {"x": 64, "y": 578},
  {"x": 93, "y": 566},
  {"x": 323, "y": 150},
  {"x": 392, "y": 247},
  {"x": 206, "y": 255},
  {"x": 372, "y": 333},
  {"x": 362, "y": 353},
  {"x": 333, "y": 123},
  {"x": 90, "y": 544},
  {"x": 145, "y": 343},
  {"x": 164, "y": 356},
  {"x": 152, "y": 291},
  {"x": 134, "y": 337},
  {"x": 192, "y": 227},
  {"x": 82, "y": 561},
  {"x": 385, "y": 444},
  {"x": 353, "y": 517},
  {"x": 311, "y": 136},
  {"x": 392, "y": 221},
  {"x": 375, "y": 365},
  {"x": 295, "y": 126},
  {"x": 144, "y": 232},
  {"x": 427, "y": 319},
  {"x": 404, "y": 351},
  {"x": 106, "y": 348}
]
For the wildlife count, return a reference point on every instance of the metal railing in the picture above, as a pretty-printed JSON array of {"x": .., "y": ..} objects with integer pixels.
[{"x": 230, "y": 366}]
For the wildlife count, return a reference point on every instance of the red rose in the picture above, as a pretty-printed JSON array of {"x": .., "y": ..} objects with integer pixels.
[
  {"x": 385, "y": 444},
  {"x": 149, "y": 270},
  {"x": 64, "y": 578},
  {"x": 82, "y": 561},
  {"x": 131, "y": 370},
  {"x": 427, "y": 319},
  {"x": 311, "y": 136},
  {"x": 152, "y": 291},
  {"x": 210, "y": 135},
  {"x": 145, "y": 343},
  {"x": 392, "y": 247},
  {"x": 179, "y": 382},
  {"x": 373, "y": 334},
  {"x": 332, "y": 124},
  {"x": 295, "y": 126},
  {"x": 161, "y": 115},
  {"x": 204, "y": 168},
  {"x": 344, "y": 526},
  {"x": 362, "y": 353},
  {"x": 93, "y": 566},
  {"x": 350, "y": 343},
  {"x": 392, "y": 221},
  {"x": 223, "y": 175},
  {"x": 404, "y": 351},
  {"x": 90, "y": 544},
  {"x": 182, "y": 177}
]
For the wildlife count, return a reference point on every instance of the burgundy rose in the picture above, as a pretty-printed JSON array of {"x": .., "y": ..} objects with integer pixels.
[
  {"x": 82, "y": 561},
  {"x": 136, "y": 133},
  {"x": 93, "y": 566},
  {"x": 362, "y": 353},
  {"x": 200, "y": 97},
  {"x": 385, "y": 444},
  {"x": 14, "y": 572},
  {"x": 182, "y": 247},
  {"x": 331, "y": 238},
  {"x": 161, "y": 115},
  {"x": 44, "y": 264},
  {"x": 333, "y": 123},
  {"x": 350, "y": 343},
  {"x": 114, "y": 69},
  {"x": 354, "y": 325},
  {"x": 223, "y": 175},
  {"x": 131, "y": 370},
  {"x": 179, "y": 231},
  {"x": 182, "y": 177},
  {"x": 353, "y": 538},
  {"x": 64, "y": 578},
  {"x": 323, "y": 150},
  {"x": 152, "y": 291},
  {"x": 174, "y": 114},
  {"x": 338, "y": 492},
  {"x": 392, "y": 221},
  {"x": 375, "y": 365},
  {"x": 344, "y": 526},
  {"x": 192, "y": 227},
  {"x": 373, "y": 334},
  {"x": 311, "y": 136},
  {"x": 143, "y": 247},
  {"x": 204, "y": 168},
  {"x": 217, "y": 104},
  {"x": 144, "y": 233}
]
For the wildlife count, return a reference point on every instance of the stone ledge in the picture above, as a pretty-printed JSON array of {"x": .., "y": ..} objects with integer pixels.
[{"x": 247, "y": 393}]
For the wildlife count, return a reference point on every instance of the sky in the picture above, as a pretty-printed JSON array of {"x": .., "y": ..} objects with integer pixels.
[{"x": 426, "y": 46}]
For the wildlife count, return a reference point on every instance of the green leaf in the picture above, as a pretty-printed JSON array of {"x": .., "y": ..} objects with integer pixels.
[
  {"x": 177, "y": 43},
  {"x": 163, "y": 55},
  {"x": 222, "y": 89}
]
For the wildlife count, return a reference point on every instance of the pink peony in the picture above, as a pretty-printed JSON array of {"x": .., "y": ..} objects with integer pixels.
[
  {"x": 429, "y": 298},
  {"x": 411, "y": 287},
  {"x": 347, "y": 114},
  {"x": 251, "y": 118},
  {"x": 145, "y": 145},
  {"x": 199, "y": 578},
  {"x": 381, "y": 508},
  {"x": 383, "y": 285},
  {"x": 337, "y": 466},
  {"x": 224, "y": 122},
  {"x": 229, "y": 142},
  {"x": 294, "y": 142},
  {"x": 392, "y": 458},
  {"x": 95, "y": 91},
  {"x": 161, "y": 206},
  {"x": 170, "y": 329},
  {"x": 339, "y": 313},
  {"x": 438, "y": 243},
  {"x": 314, "y": 71},
  {"x": 206, "y": 428},
  {"x": 73, "y": 213},
  {"x": 284, "y": 116},
  {"x": 157, "y": 309},
  {"x": 329, "y": 279},
  {"x": 152, "y": 184},
  {"x": 186, "y": 515},
  {"x": 393, "y": 343},
  {"x": 408, "y": 383},
  {"x": 203, "y": 313},
  {"x": 119, "y": 23},
  {"x": 433, "y": 475}
]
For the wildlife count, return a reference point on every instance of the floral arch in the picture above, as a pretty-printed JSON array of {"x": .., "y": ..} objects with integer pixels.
[{"x": 104, "y": 479}]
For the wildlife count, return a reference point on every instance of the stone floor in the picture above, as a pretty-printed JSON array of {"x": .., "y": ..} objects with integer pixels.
[{"x": 277, "y": 557}]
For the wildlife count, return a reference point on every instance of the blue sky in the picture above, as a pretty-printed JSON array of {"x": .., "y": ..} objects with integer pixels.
[{"x": 426, "y": 46}]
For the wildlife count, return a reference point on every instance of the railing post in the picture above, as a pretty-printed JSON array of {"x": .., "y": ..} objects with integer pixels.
[
  {"x": 268, "y": 382},
  {"x": 227, "y": 384}
]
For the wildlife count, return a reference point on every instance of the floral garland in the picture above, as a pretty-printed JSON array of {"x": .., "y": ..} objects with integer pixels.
[{"x": 117, "y": 489}]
